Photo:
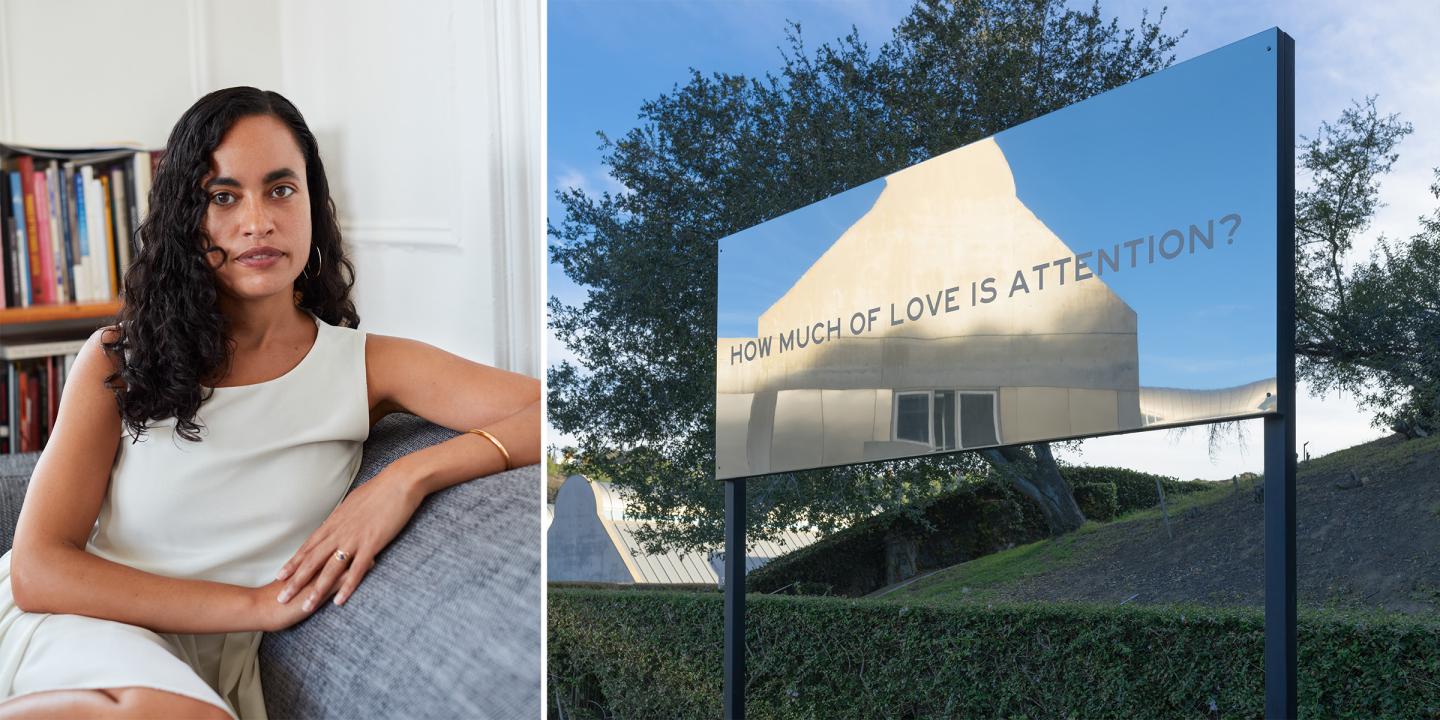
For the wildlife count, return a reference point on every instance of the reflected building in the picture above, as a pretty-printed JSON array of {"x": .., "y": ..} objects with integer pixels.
[
  {"x": 980, "y": 364},
  {"x": 592, "y": 539}
]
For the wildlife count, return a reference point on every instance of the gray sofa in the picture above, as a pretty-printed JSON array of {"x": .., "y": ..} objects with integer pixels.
[{"x": 446, "y": 625}]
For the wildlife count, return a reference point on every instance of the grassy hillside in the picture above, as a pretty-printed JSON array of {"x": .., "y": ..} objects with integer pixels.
[{"x": 1368, "y": 537}]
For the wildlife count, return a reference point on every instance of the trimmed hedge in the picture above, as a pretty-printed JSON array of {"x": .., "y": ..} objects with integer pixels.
[
  {"x": 981, "y": 517},
  {"x": 1097, "y": 500},
  {"x": 1134, "y": 490},
  {"x": 632, "y": 655}
]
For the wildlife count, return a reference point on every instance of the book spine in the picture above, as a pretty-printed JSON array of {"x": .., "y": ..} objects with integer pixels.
[
  {"x": 72, "y": 252},
  {"x": 99, "y": 277},
  {"x": 7, "y": 266},
  {"x": 52, "y": 395},
  {"x": 17, "y": 287},
  {"x": 57, "y": 231},
  {"x": 12, "y": 385},
  {"x": 26, "y": 409},
  {"x": 82, "y": 275},
  {"x": 33, "y": 404},
  {"x": 32, "y": 231},
  {"x": 22, "y": 245},
  {"x": 120, "y": 189},
  {"x": 45, "y": 291},
  {"x": 5, "y": 437},
  {"x": 143, "y": 175},
  {"x": 112, "y": 253}
]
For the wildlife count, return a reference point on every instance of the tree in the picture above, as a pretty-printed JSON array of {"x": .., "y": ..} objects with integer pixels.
[
  {"x": 722, "y": 153},
  {"x": 1372, "y": 330}
]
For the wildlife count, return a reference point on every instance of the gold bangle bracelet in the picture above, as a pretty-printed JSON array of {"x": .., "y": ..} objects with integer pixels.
[{"x": 498, "y": 446}]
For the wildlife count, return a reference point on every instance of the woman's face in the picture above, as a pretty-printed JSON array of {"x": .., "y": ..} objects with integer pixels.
[{"x": 259, "y": 210}]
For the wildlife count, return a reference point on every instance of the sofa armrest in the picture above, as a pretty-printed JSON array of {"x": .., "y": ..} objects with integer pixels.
[
  {"x": 447, "y": 624},
  {"x": 15, "y": 473}
]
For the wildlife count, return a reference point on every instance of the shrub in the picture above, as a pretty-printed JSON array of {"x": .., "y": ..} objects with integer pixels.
[
  {"x": 1097, "y": 500},
  {"x": 635, "y": 655},
  {"x": 1134, "y": 490},
  {"x": 983, "y": 516}
]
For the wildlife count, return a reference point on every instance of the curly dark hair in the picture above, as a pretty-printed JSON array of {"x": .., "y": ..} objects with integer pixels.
[{"x": 171, "y": 335}]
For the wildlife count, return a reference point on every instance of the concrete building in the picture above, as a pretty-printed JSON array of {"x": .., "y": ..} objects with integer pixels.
[{"x": 590, "y": 539}]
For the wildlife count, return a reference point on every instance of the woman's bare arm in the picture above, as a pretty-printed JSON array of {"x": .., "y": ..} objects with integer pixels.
[
  {"x": 459, "y": 394},
  {"x": 51, "y": 572},
  {"x": 447, "y": 390}
]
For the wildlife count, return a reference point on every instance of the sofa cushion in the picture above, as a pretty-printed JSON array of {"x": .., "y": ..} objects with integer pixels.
[
  {"x": 447, "y": 623},
  {"x": 15, "y": 473}
]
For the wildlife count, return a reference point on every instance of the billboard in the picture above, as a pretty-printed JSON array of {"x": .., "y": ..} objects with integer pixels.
[{"x": 1108, "y": 267}]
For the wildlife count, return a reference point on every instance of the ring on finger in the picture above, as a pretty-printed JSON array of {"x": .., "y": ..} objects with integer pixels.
[{"x": 341, "y": 555}]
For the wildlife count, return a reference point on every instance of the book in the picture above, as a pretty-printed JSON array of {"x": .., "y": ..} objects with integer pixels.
[
  {"x": 68, "y": 224},
  {"x": 45, "y": 290},
  {"x": 32, "y": 350},
  {"x": 82, "y": 259},
  {"x": 109, "y": 275},
  {"x": 12, "y": 391},
  {"x": 119, "y": 188},
  {"x": 19, "y": 243},
  {"x": 56, "y": 191},
  {"x": 99, "y": 277},
  {"x": 7, "y": 262},
  {"x": 4, "y": 417},
  {"x": 32, "y": 231}
]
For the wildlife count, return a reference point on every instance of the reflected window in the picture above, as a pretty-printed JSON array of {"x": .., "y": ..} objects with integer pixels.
[
  {"x": 947, "y": 419},
  {"x": 977, "y": 420},
  {"x": 912, "y": 417},
  {"x": 944, "y": 419}
]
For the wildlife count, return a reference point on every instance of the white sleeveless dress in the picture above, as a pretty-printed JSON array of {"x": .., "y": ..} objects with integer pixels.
[{"x": 275, "y": 459}]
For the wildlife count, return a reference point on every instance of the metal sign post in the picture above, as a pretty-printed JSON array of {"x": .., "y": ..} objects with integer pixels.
[
  {"x": 735, "y": 599},
  {"x": 1280, "y": 650}
]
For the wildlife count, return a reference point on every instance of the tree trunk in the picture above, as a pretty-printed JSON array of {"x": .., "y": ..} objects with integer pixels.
[
  {"x": 1040, "y": 480},
  {"x": 900, "y": 555}
]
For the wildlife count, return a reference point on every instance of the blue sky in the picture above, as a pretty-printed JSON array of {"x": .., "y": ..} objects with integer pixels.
[{"x": 605, "y": 58}]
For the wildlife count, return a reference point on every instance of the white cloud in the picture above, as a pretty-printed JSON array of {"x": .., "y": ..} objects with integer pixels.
[{"x": 569, "y": 177}]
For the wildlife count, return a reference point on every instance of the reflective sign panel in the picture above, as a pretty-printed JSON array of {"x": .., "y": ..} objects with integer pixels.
[{"x": 1105, "y": 268}]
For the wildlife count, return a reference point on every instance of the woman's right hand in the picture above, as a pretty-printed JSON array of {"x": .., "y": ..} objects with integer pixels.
[{"x": 273, "y": 615}]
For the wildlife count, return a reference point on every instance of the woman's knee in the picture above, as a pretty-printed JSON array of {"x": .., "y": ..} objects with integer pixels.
[
  {"x": 147, "y": 703},
  {"x": 130, "y": 702}
]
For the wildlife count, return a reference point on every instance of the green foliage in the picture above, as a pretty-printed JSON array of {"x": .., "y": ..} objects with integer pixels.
[
  {"x": 1373, "y": 330},
  {"x": 974, "y": 581},
  {"x": 1134, "y": 490},
  {"x": 1387, "y": 455},
  {"x": 721, "y": 153},
  {"x": 658, "y": 655},
  {"x": 983, "y": 516},
  {"x": 1097, "y": 500}
]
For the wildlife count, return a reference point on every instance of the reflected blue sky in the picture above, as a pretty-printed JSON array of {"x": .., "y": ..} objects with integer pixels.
[
  {"x": 1189, "y": 145},
  {"x": 1192, "y": 143},
  {"x": 759, "y": 264}
]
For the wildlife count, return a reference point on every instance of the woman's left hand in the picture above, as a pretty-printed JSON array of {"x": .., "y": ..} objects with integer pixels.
[{"x": 364, "y": 523}]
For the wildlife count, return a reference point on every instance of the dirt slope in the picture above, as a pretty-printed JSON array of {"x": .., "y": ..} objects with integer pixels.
[{"x": 1371, "y": 545}]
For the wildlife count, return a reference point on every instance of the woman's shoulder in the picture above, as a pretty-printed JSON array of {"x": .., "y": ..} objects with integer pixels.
[
  {"x": 102, "y": 348},
  {"x": 95, "y": 365}
]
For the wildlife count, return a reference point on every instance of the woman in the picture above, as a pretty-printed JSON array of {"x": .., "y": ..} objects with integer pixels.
[{"x": 213, "y": 433}]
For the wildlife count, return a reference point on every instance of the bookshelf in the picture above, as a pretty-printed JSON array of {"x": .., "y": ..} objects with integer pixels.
[{"x": 68, "y": 220}]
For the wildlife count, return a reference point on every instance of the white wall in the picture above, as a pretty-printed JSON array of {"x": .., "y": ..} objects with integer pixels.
[{"x": 428, "y": 116}]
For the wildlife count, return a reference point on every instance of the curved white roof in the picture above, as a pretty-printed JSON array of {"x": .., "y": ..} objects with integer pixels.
[
  {"x": 609, "y": 508},
  {"x": 1174, "y": 405}
]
